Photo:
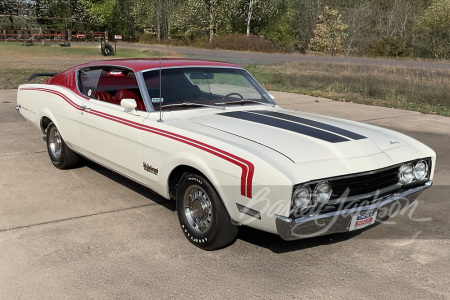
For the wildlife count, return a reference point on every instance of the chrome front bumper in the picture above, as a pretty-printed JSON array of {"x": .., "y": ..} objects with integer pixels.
[{"x": 339, "y": 221}]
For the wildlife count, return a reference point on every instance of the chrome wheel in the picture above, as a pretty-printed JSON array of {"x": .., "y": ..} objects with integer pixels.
[
  {"x": 55, "y": 142},
  {"x": 202, "y": 215},
  {"x": 198, "y": 208},
  {"x": 60, "y": 155}
]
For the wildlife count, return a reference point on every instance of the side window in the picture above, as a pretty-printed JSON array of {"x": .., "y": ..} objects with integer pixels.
[
  {"x": 175, "y": 86},
  {"x": 111, "y": 85},
  {"x": 88, "y": 82}
]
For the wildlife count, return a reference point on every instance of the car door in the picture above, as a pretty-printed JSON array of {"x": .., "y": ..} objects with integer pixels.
[{"x": 109, "y": 132}]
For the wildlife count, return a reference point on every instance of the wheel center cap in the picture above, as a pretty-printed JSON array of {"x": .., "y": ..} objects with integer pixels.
[{"x": 199, "y": 209}]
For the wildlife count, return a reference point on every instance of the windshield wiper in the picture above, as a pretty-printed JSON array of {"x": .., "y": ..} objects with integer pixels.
[
  {"x": 244, "y": 101},
  {"x": 192, "y": 104}
]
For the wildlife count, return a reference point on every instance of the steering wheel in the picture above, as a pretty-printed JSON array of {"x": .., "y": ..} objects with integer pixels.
[{"x": 231, "y": 94}]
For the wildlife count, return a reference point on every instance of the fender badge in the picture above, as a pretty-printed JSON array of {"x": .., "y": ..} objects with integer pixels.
[{"x": 150, "y": 169}]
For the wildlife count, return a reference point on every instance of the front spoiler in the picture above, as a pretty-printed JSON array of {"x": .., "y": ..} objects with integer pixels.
[{"x": 339, "y": 221}]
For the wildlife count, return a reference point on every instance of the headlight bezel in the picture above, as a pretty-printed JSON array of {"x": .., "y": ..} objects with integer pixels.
[
  {"x": 414, "y": 165},
  {"x": 312, "y": 187},
  {"x": 317, "y": 189},
  {"x": 296, "y": 206},
  {"x": 406, "y": 174},
  {"x": 426, "y": 171}
]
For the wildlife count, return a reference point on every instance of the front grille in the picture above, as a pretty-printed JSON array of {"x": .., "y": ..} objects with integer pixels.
[{"x": 364, "y": 184}]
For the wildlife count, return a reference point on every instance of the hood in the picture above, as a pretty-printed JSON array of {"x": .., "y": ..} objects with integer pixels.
[{"x": 300, "y": 136}]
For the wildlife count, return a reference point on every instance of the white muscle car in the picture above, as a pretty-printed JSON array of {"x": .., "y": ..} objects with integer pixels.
[{"x": 208, "y": 136}]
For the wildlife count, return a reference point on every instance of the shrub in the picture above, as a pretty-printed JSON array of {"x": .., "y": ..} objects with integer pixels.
[
  {"x": 241, "y": 42},
  {"x": 148, "y": 38},
  {"x": 328, "y": 33},
  {"x": 389, "y": 47},
  {"x": 237, "y": 42}
]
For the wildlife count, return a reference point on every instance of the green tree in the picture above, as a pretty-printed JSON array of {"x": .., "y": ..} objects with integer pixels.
[
  {"x": 163, "y": 13},
  {"x": 434, "y": 24},
  {"x": 62, "y": 13},
  {"x": 329, "y": 33},
  {"x": 42, "y": 9},
  {"x": 191, "y": 19},
  {"x": 358, "y": 18},
  {"x": 276, "y": 23},
  {"x": 106, "y": 13},
  {"x": 305, "y": 14},
  {"x": 8, "y": 7},
  {"x": 143, "y": 14},
  {"x": 204, "y": 18},
  {"x": 258, "y": 14},
  {"x": 15, "y": 7}
]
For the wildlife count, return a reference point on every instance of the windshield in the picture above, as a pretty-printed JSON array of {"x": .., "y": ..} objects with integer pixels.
[{"x": 193, "y": 87}]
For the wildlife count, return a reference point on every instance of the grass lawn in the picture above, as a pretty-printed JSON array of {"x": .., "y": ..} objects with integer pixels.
[{"x": 426, "y": 91}]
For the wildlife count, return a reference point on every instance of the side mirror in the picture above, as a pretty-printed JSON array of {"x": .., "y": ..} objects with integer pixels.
[
  {"x": 129, "y": 105},
  {"x": 272, "y": 97}
]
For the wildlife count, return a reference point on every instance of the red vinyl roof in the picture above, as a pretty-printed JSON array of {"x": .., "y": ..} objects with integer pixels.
[
  {"x": 144, "y": 64},
  {"x": 67, "y": 78}
]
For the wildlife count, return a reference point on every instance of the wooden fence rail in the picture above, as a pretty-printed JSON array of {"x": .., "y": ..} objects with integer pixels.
[{"x": 50, "y": 35}]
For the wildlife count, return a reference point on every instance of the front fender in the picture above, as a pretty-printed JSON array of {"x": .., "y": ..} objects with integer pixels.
[{"x": 270, "y": 197}]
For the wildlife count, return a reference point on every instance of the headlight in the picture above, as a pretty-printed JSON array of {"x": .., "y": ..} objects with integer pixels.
[
  {"x": 421, "y": 170},
  {"x": 322, "y": 193},
  {"x": 406, "y": 174},
  {"x": 301, "y": 198}
]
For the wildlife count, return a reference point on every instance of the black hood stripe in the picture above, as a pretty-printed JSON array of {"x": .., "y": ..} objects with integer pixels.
[
  {"x": 330, "y": 128},
  {"x": 287, "y": 125}
]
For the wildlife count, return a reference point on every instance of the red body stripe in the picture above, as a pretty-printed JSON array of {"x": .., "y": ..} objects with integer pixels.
[{"x": 246, "y": 166}]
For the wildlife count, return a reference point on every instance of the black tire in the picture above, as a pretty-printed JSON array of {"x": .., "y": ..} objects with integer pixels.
[
  {"x": 107, "y": 50},
  {"x": 60, "y": 155},
  {"x": 201, "y": 213}
]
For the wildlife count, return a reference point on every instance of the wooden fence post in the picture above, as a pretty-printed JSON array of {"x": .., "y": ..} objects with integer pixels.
[{"x": 42, "y": 36}]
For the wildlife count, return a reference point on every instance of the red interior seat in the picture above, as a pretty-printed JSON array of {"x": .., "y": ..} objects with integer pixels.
[{"x": 104, "y": 96}]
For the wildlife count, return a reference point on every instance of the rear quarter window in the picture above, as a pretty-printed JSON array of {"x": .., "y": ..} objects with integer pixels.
[{"x": 88, "y": 81}]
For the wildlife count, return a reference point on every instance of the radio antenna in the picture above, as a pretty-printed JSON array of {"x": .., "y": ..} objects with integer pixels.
[{"x": 160, "y": 90}]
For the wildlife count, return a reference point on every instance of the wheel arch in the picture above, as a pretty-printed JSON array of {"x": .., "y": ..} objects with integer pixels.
[
  {"x": 177, "y": 173},
  {"x": 45, "y": 121}
]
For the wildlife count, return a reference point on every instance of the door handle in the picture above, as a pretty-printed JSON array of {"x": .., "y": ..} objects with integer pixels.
[{"x": 84, "y": 108}]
